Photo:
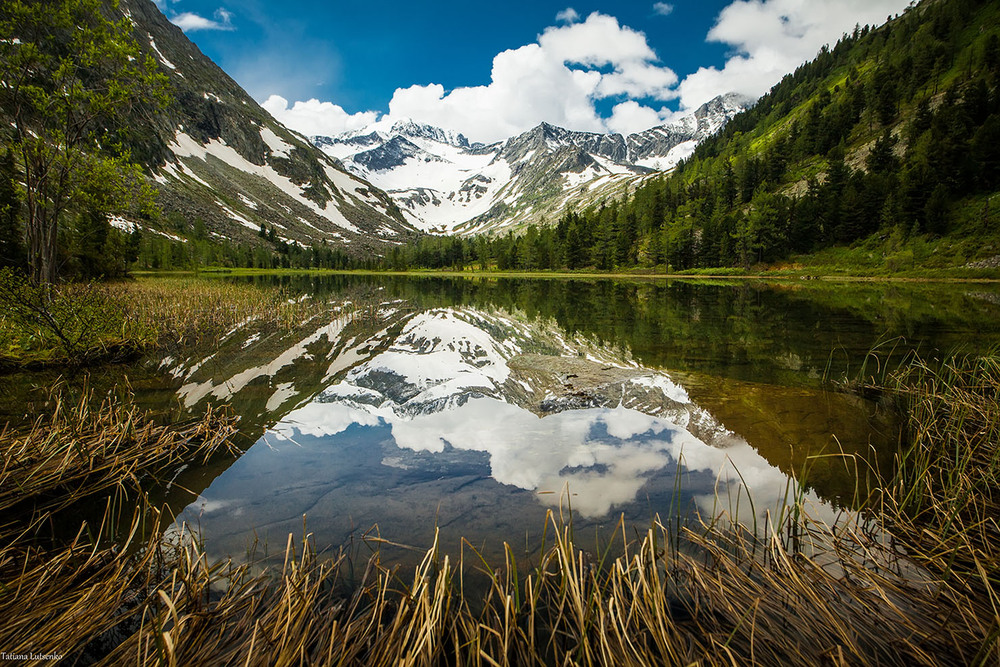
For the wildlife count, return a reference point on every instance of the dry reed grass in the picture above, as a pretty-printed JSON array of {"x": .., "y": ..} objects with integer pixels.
[
  {"x": 81, "y": 447},
  {"x": 913, "y": 584},
  {"x": 84, "y": 324},
  {"x": 61, "y": 600},
  {"x": 944, "y": 500},
  {"x": 722, "y": 605},
  {"x": 190, "y": 310}
]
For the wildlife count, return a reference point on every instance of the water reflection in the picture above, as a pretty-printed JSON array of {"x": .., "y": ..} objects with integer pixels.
[{"x": 474, "y": 420}]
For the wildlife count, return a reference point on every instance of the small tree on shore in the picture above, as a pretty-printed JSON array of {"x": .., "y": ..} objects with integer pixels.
[{"x": 71, "y": 80}]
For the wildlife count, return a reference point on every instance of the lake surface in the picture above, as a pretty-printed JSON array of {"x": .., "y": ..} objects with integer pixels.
[{"x": 474, "y": 406}]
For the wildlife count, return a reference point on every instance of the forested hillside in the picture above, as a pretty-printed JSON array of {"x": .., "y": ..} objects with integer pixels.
[
  {"x": 890, "y": 138},
  {"x": 122, "y": 144}
]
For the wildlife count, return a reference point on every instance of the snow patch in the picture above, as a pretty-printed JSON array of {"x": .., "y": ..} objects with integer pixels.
[
  {"x": 184, "y": 145},
  {"x": 247, "y": 201},
  {"x": 237, "y": 217},
  {"x": 279, "y": 147},
  {"x": 121, "y": 223},
  {"x": 162, "y": 58}
]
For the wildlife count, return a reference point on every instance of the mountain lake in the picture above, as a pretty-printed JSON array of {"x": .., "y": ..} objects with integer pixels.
[{"x": 473, "y": 406}]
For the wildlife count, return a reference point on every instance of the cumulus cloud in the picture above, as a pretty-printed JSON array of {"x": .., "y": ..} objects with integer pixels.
[
  {"x": 630, "y": 116},
  {"x": 568, "y": 15},
  {"x": 577, "y": 65},
  {"x": 189, "y": 21},
  {"x": 313, "y": 117},
  {"x": 772, "y": 37},
  {"x": 557, "y": 79}
]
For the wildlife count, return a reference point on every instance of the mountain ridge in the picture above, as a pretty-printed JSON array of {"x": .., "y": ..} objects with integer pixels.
[
  {"x": 879, "y": 156},
  {"x": 444, "y": 183},
  {"x": 218, "y": 159}
]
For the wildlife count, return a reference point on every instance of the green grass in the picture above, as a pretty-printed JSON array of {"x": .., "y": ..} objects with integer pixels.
[{"x": 86, "y": 324}]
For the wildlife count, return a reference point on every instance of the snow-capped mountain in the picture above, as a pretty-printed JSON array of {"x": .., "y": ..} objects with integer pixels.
[
  {"x": 445, "y": 184},
  {"x": 217, "y": 157},
  {"x": 662, "y": 147}
]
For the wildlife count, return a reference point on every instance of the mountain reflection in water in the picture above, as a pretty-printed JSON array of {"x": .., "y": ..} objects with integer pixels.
[{"x": 474, "y": 421}]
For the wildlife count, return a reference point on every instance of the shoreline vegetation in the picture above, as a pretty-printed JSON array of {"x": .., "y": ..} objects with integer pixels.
[
  {"x": 810, "y": 267},
  {"x": 83, "y": 324},
  {"x": 960, "y": 275},
  {"x": 75, "y": 325},
  {"x": 912, "y": 579}
]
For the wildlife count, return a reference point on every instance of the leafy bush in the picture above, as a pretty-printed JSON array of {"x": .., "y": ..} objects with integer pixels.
[{"x": 72, "y": 323}]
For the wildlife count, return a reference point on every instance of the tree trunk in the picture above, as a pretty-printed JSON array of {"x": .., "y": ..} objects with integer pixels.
[
  {"x": 33, "y": 232},
  {"x": 41, "y": 226},
  {"x": 42, "y": 236}
]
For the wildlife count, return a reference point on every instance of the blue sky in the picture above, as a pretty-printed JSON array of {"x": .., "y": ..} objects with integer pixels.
[{"x": 494, "y": 69}]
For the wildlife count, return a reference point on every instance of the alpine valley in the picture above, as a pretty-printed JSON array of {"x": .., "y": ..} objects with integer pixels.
[
  {"x": 721, "y": 391},
  {"x": 224, "y": 168}
]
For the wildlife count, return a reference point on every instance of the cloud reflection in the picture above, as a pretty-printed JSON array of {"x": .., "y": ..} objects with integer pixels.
[{"x": 445, "y": 384}]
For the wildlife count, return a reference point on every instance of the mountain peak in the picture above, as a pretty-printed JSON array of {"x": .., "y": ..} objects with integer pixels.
[
  {"x": 444, "y": 184},
  {"x": 412, "y": 129},
  {"x": 731, "y": 103}
]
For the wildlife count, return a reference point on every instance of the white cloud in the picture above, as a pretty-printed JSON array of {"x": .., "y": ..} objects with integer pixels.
[
  {"x": 597, "y": 41},
  {"x": 568, "y": 15},
  {"x": 558, "y": 79},
  {"x": 773, "y": 37},
  {"x": 189, "y": 21},
  {"x": 313, "y": 117},
  {"x": 630, "y": 116},
  {"x": 573, "y": 66}
]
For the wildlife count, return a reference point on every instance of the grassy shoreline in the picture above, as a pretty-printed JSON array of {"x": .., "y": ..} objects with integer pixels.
[
  {"x": 79, "y": 325},
  {"x": 782, "y": 274},
  {"x": 912, "y": 582}
]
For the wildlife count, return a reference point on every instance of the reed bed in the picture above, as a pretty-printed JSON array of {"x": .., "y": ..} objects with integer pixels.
[
  {"x": 89, "y": 323},
  {"x": 911, "y": 582},
  {"x": 73, "y": 600},
  {"x": 721, "y": 604},
  {"x": 944, "y": 500},
  {"x": 949, "y": 478},
  {"x": 82, "y": 447},
  {"x": 191, "y": 310}
]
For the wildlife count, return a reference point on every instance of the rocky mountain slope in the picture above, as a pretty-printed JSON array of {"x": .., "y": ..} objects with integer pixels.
[
  {"x": 444, "y": 184},
  {"x": 217, "y": 157}
]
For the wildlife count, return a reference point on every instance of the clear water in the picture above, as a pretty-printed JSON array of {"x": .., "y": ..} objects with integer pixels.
[{"x": 475, "y": 406}]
